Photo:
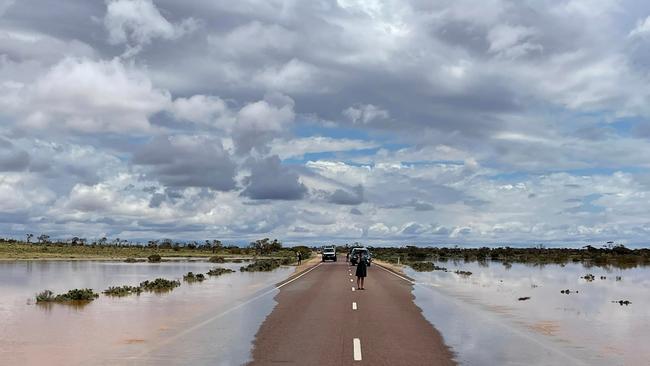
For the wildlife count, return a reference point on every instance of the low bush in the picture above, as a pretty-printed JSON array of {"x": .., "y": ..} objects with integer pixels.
[
  {"x": 123, "y": 290},
  {"x": 262, "y": 265},
  {"x": 159, "y": 285},
  {"x": 76, "y": 295},
  {"x": 218, "y": 271},
  {"x": 154, "y": 258},
  {"x": 217, "y": 259},
  {"x": 191, "y": 277}
]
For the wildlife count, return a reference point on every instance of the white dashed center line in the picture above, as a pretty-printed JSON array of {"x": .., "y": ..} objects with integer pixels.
[
  {"x": 354, "y": 306},
  {"x": 351, "y": 280},
  {"x": 356, "y": 343},
  {"x": 352, "y": 288}
]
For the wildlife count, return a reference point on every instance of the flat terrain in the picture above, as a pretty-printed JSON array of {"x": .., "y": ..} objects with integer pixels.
[{"x": 318, "y": 318}]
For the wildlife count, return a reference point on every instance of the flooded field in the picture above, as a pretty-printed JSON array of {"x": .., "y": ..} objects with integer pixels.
[
  {"x": 212, "y": 322},
  {"x": 516, "y": 314}
]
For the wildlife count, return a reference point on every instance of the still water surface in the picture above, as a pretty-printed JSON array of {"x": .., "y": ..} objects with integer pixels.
[
  {"x": 483, "y": 321},
  {"x": 199, "y": 324}
]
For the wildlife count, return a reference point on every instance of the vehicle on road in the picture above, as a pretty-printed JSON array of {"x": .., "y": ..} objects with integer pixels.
[
  {"x": 360, "y": 253},
  {"x": 329, "y": 253}
]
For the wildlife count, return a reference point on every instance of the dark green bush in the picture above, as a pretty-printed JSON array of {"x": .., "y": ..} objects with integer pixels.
[
  {"x": 123, "y": 290},
  {"x": 191, "y": 277},
  {"x": 159, "y": 285},
  {"x": 217, "y": 259},
  {"x": 218, "y": 271},
  {"x": 77, "y": 295},
  {"x": 262, "y": 265},
  {"x": 154, "y": 258}
]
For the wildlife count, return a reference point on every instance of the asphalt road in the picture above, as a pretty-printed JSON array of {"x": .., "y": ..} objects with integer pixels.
[{"x": 320, "y": 320}]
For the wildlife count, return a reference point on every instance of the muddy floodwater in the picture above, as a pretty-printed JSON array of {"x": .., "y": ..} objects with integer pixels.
[
  {"x": 481, "y": 317},
  {"x": 213, "y": 322}
]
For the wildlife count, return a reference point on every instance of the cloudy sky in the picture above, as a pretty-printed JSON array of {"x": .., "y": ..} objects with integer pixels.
[{"x": 429, "y": 122}]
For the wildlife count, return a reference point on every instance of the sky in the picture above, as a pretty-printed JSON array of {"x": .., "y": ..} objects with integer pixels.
[{"x": 383, "y": 122}]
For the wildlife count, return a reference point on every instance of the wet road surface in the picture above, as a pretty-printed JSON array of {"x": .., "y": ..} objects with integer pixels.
[{"x": 321, "y": 319}]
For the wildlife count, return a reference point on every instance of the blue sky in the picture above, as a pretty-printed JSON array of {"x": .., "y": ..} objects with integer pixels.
[{"x": 385, "y": 122}]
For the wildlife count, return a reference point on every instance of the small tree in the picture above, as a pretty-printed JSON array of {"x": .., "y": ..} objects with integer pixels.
[
  {"x": 43, "y": 238},
  {"x": 216, "y": 245},
  {"x": 29, "y": 237}
]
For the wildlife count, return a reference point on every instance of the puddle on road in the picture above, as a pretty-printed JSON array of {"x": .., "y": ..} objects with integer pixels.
[
  {"x": 185, "y": 326},
  {"x": 481, "y": 318}
]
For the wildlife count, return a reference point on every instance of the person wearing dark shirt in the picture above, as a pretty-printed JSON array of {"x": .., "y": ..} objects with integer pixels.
[{"x": 362, "y": 271}]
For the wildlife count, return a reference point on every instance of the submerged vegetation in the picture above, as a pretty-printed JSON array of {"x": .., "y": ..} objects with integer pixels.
[
  {"x": 159, "y": 285},
  {"x": 76, "y": 295},
  {"x": 218, "y": 271},
  {"x": 262, "y": 265},
  {"x": 191, "y": 277},
  {"x": 123, "y": 290}
]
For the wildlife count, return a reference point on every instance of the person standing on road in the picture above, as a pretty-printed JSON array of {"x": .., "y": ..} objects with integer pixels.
[
  {"x": 362, "y": 271},
  {"x": 299, "y": 258}
]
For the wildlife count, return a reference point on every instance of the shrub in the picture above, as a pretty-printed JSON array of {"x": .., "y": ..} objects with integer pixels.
[
  {"x": 154, "y": 258},
  {"x": 77, "y": 295},
  {"x": 123, "y": 291},
  {"x": 262, "y": 265},
  {"x": 45, "y": 296},
  {"x": 133, "y": 260},
  {"x": 191, "y": 277},
  {"x": 217, "y": 259},
  {"x": 218, "y": 271},
  {"x": 159, "y": 285}
]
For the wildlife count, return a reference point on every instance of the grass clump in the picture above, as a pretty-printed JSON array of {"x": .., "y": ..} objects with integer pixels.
[
  {"x": 262, "y": 265},
  {"x": 218, "y": 271},
  {"x": 154, "y": 258},
  {"x": 191, "y": 277},
  {"x": 159, "y": 285},
  {"x": 123, "y": 290},
  {"x": 217, "y": 259},
  {"x": 76, "y": 295}
]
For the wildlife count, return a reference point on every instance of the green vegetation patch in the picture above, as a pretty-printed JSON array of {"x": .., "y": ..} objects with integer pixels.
[
  {"x": 123, "y": 290},
  {"x": 76, "y": 295},
  {"x": 159, "y": 285},
  {"x": 218, "y": 271},
  {"x": 154, "y": 258},
  {"x": 191, "y": 277},
  {"x": 262, "y": 265}
]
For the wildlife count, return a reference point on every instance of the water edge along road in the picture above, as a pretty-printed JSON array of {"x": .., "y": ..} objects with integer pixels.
[{"x": 321, "y": 320}]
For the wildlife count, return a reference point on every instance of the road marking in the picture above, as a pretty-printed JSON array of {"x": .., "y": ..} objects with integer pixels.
[
  {"x": 354, "y": 306},
  {"x": 350, "y": 274},
  {"x": 356, "y": 344},
  {"x": 352, "y": 288},
  {"x": 351, "y": 280}
]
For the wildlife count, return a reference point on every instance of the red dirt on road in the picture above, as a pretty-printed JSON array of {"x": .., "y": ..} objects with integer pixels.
[{"x": 314, "y": 323}]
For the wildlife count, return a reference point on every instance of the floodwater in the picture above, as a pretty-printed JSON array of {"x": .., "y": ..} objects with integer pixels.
[
  {"x": 482, "y": 320},
  {"x": 213, "y": 322}
]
